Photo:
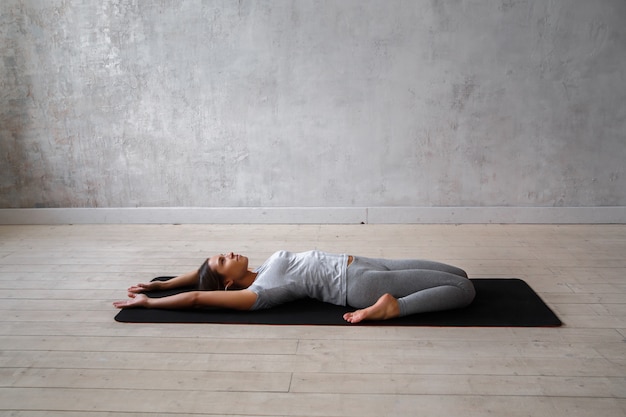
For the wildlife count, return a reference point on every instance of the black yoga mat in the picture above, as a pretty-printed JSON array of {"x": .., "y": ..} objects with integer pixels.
[{"x": 499, "y": 302}]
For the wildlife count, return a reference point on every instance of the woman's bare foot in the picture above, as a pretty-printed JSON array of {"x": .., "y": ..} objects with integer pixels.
[{"x": 385, "y": 308}]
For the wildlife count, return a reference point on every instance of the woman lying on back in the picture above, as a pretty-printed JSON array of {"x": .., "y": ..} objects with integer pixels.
[{"x": 378, "y": 289}]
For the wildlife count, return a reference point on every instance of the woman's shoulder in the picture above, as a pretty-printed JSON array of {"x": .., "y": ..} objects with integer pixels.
[{"x": 277, "y": 258}]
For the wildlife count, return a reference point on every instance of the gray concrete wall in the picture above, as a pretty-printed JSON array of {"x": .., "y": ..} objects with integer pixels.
[{"x": 312, "y": 103}]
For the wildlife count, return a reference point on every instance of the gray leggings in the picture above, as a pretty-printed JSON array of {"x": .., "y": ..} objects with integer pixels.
[{"x": 420, "y": 286}]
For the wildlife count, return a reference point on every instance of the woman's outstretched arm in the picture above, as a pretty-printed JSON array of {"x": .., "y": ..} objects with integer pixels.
[
  {"x": 185, "y": 280},
  {"x": 236, "y": 300}
]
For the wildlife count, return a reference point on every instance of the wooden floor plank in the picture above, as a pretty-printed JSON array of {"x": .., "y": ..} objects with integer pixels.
[
  {"x": 297, "y": 404},
  {"x": 487, "y": 385},
  {"x": 145, "y": 379},
  {"x": 162, "y": 344}
]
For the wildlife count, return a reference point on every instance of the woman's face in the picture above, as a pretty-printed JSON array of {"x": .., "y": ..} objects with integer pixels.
[{"x": 231, "y": 266}]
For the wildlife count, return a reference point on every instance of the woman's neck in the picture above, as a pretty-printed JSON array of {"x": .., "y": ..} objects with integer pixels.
[{"x": 248, "y": 279}]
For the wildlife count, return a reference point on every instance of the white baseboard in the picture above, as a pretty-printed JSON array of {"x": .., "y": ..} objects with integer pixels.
[
  {"x": 508, "y": 215},
  {"x": 183, "y": 215},
  {"x": 316, "y": 215}
]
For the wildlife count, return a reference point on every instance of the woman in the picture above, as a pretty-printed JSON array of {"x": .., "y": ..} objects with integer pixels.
[{"x": 379, "y": 289}]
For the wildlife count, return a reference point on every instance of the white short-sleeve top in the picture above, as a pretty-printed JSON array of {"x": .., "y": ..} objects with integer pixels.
[{"x": 287, "y": 276}]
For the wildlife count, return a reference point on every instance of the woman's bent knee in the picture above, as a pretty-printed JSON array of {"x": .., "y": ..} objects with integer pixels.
[{"x": 469, "y": 292}]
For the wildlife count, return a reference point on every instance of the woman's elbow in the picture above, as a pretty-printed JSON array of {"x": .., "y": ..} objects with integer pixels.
[{"x": 195, "y": 300}]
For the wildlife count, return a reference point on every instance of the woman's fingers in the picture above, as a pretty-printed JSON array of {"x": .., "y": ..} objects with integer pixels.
[
  {"x": 138, "y": 288},
  {"x": 132, "y": 301},
  {"x": 120, "y": 304}
]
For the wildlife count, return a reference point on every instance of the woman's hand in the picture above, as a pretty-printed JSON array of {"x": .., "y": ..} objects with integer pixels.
[
  {"x": 144, "y": 287},
  {"x": 134, "y": 300}
]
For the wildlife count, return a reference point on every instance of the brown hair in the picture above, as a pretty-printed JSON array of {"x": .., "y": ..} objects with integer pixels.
[{"x": 208, "y": 279}]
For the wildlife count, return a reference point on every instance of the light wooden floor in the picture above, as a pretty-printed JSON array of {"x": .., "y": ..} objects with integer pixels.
[{"x": 61, "y": 353}]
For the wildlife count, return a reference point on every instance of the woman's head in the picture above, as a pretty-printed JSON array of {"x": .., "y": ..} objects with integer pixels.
[
  {"x": 223, "y": 271},
  {"x": 209, "y": 280}
]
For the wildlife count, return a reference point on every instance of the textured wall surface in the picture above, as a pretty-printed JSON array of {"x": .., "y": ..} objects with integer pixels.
[{"x": 111, "y": 103}]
